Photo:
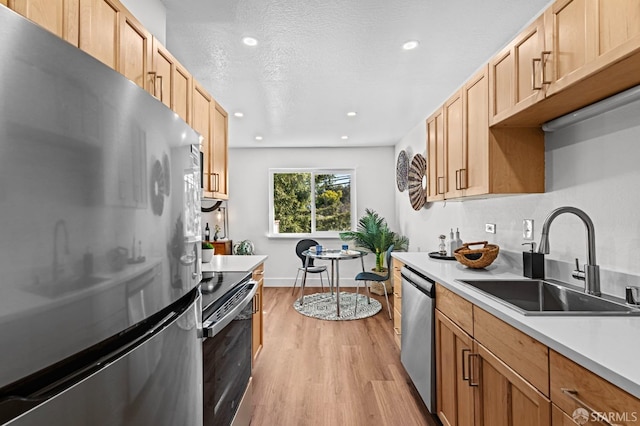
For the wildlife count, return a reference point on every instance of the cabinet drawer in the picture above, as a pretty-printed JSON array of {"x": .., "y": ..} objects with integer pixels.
[
  {"x": 525, "y": 355},
  {"x": 459, "y": 310},
  {"x": 397, "y": 325},
  {"x": 592, "y": 390}
]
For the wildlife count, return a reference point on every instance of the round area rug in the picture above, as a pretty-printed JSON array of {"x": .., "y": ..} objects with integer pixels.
[{"x": 323, "y": 306}]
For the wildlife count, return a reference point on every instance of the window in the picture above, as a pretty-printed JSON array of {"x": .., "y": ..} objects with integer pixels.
[{"x": 311, "y": 201}]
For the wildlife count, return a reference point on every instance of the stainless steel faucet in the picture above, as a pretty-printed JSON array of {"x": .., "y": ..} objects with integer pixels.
[
  {"x": 591, "y": 273},
  {"x": 56, "y": 267}
]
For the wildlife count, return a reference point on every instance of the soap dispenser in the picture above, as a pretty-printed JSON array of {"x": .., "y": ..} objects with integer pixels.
[{"x": 532, "y": 262}]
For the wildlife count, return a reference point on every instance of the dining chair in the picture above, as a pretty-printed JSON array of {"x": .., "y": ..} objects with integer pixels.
[
  {"x": 301, "y": 247},
  {"x": 367, "y": 277}
]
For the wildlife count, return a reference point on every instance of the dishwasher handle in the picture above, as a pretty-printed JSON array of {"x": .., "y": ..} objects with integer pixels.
[{"x": 425, "y": 284}]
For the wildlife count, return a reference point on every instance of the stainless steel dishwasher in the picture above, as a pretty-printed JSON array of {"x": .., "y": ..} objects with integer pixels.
[{"x": 418, "y": 333}]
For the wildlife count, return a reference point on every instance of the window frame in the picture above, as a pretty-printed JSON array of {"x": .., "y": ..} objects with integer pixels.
[{"x": 313, "y": 171}]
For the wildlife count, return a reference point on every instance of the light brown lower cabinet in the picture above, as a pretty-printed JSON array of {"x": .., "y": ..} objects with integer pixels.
[
  {"x": 474, "y": 387},
  {"x": 397, "y": 301},
  {"x": 491, "y": 374},
  {"x": 503, "y": 397},
  {"x": 454, "y": 395},
  {"x": 257, "y": 321}
]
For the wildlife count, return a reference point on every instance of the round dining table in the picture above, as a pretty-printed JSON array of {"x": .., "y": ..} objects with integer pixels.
[{"x": 335, "y": 256}]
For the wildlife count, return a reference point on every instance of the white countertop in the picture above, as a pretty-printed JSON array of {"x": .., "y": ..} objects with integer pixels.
[
  {"x": 233, "y": 263},
  {"x": 608, "y": 346}
]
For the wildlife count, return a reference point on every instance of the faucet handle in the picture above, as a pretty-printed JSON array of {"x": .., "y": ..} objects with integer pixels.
[
  {"x": 632, "y": 295},
  {"x": 578, "y": 273}
]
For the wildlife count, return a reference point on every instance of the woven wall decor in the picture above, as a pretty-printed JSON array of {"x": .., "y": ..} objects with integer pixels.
[
  {"x": 402, "y": 170},
  {"x": 417, "y": 171}
]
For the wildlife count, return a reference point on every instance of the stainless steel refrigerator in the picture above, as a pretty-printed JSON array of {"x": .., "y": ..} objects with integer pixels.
[{"x": 99, "y": 243}]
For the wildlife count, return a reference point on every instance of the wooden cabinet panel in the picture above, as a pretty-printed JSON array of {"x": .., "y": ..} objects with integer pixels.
[
  {"x": 135, "y": 51},
  {"x": 591, "y": 389},
  {"x": 455, "y": 307},
  {"x": 474, "y": 176},
  {"x": 202, "y": 106},
  {"x": 219, "y": 152},
  {"x": 172, "y": 83},
  {"x": 618, "y": 23},
  {"x": 525, "y": 355},
  {"x": 506, "y": 398},
  {"x": 223, "y": 247},
  {"x": 58, "y": 16},
  {"x": 455, "y": 398},
  {"x": 181, "y": 92},
  {"x": 515, "y": 74},
  {"x": 397, "y": 326},
  {"x": 455, "y": 155},
  {"x": 257, "y": 325},
  {"x": 435, "y": 157},
  {"x": 397, "y": 301},
  {"x": 3, "y": 2},
  {"x": 99, "y": 33}
]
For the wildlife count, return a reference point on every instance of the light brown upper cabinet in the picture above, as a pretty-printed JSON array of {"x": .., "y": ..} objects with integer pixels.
[
  {"x": 203, "y": 105},
  {"x": 455, "y": 152},
  {"x": 100, "y": 30},
  {"x": 474, "y": 176},
  {"x": 576, "y": 53},
  {"x": 171, "y": 83},
  {"x": 585, "y": 36},
  {"x": 435, "y": 157},
  {"x": 135, "y": 50},
  {"x": 219, "y": 145},
  {"x": 515, "y": 73},
  {"x": 479, "y": 160},
  {"x": 58, "y": 16}
]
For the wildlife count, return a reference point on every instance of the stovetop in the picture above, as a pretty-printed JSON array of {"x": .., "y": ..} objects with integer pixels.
[{"x": 215, "y": 286}]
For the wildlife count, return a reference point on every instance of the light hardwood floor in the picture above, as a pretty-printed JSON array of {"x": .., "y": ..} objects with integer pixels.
[{"x": 315, "y": 372}]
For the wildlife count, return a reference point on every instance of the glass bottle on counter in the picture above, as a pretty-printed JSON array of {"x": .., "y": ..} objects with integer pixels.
[{"x": 207, "y": 232}]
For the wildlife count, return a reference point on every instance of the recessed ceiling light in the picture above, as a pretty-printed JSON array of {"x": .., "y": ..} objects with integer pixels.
[
  {"x": 410, "y": 45},
  {"x": 249, "y": 41},
  {"x": 352, "y": 114},
  {"x": 344, "y": 138},
  {"x": 258, "y": 138},
  {"x": 238, "y": 114}
]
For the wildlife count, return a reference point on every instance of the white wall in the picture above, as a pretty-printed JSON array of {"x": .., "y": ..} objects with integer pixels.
[
  {"x": 591, "y": 165},
  {"x": 152, "y": 14},
  {"x": 249, "y": 200}
]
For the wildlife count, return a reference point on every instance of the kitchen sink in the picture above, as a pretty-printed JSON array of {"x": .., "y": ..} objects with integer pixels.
[
  {"x": 539, "y": 297},
  {"x": 61, "y": 288}
]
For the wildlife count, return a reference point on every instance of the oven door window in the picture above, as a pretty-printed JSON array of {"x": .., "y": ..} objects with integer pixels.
[{"x": 227, "y": 369}]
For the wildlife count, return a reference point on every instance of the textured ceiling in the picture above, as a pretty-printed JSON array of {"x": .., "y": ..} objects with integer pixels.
[{"x": 317, "y": 60}]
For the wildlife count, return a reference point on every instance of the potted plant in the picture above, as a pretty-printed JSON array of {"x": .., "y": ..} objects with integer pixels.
[
  {"x": 374, "y": 234},
  {"x": 207, "y": 251}
]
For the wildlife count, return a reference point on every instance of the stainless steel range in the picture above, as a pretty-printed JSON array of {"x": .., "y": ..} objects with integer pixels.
[{"x": 227, "y": 330}]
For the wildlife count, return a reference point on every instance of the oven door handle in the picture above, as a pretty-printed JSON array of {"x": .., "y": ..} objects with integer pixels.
[{"x": 210, "y": 328}]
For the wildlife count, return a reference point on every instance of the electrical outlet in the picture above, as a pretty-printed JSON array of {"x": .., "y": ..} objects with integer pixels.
[
  {"x": 527, "y": 229},
  {"x": 490, "y": 228}
]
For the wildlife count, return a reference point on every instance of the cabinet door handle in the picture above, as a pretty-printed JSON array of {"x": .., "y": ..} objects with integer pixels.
[
  {"x": 465, "y": 376},
  {"x": 397, "y": 331},
  {"x": 533, "y": 73},
  {"x": 154, "y": 75},
  {"x": 472, "y": 381},
  {"x": 438, "y": 190},
  {"x": 463, "y": 179},
  {"x": 573, "y": 394},
  {"x": 457, "y": 179},
  {"x": 545, "y": 53},
  {"x": 161, "y": 89}
]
